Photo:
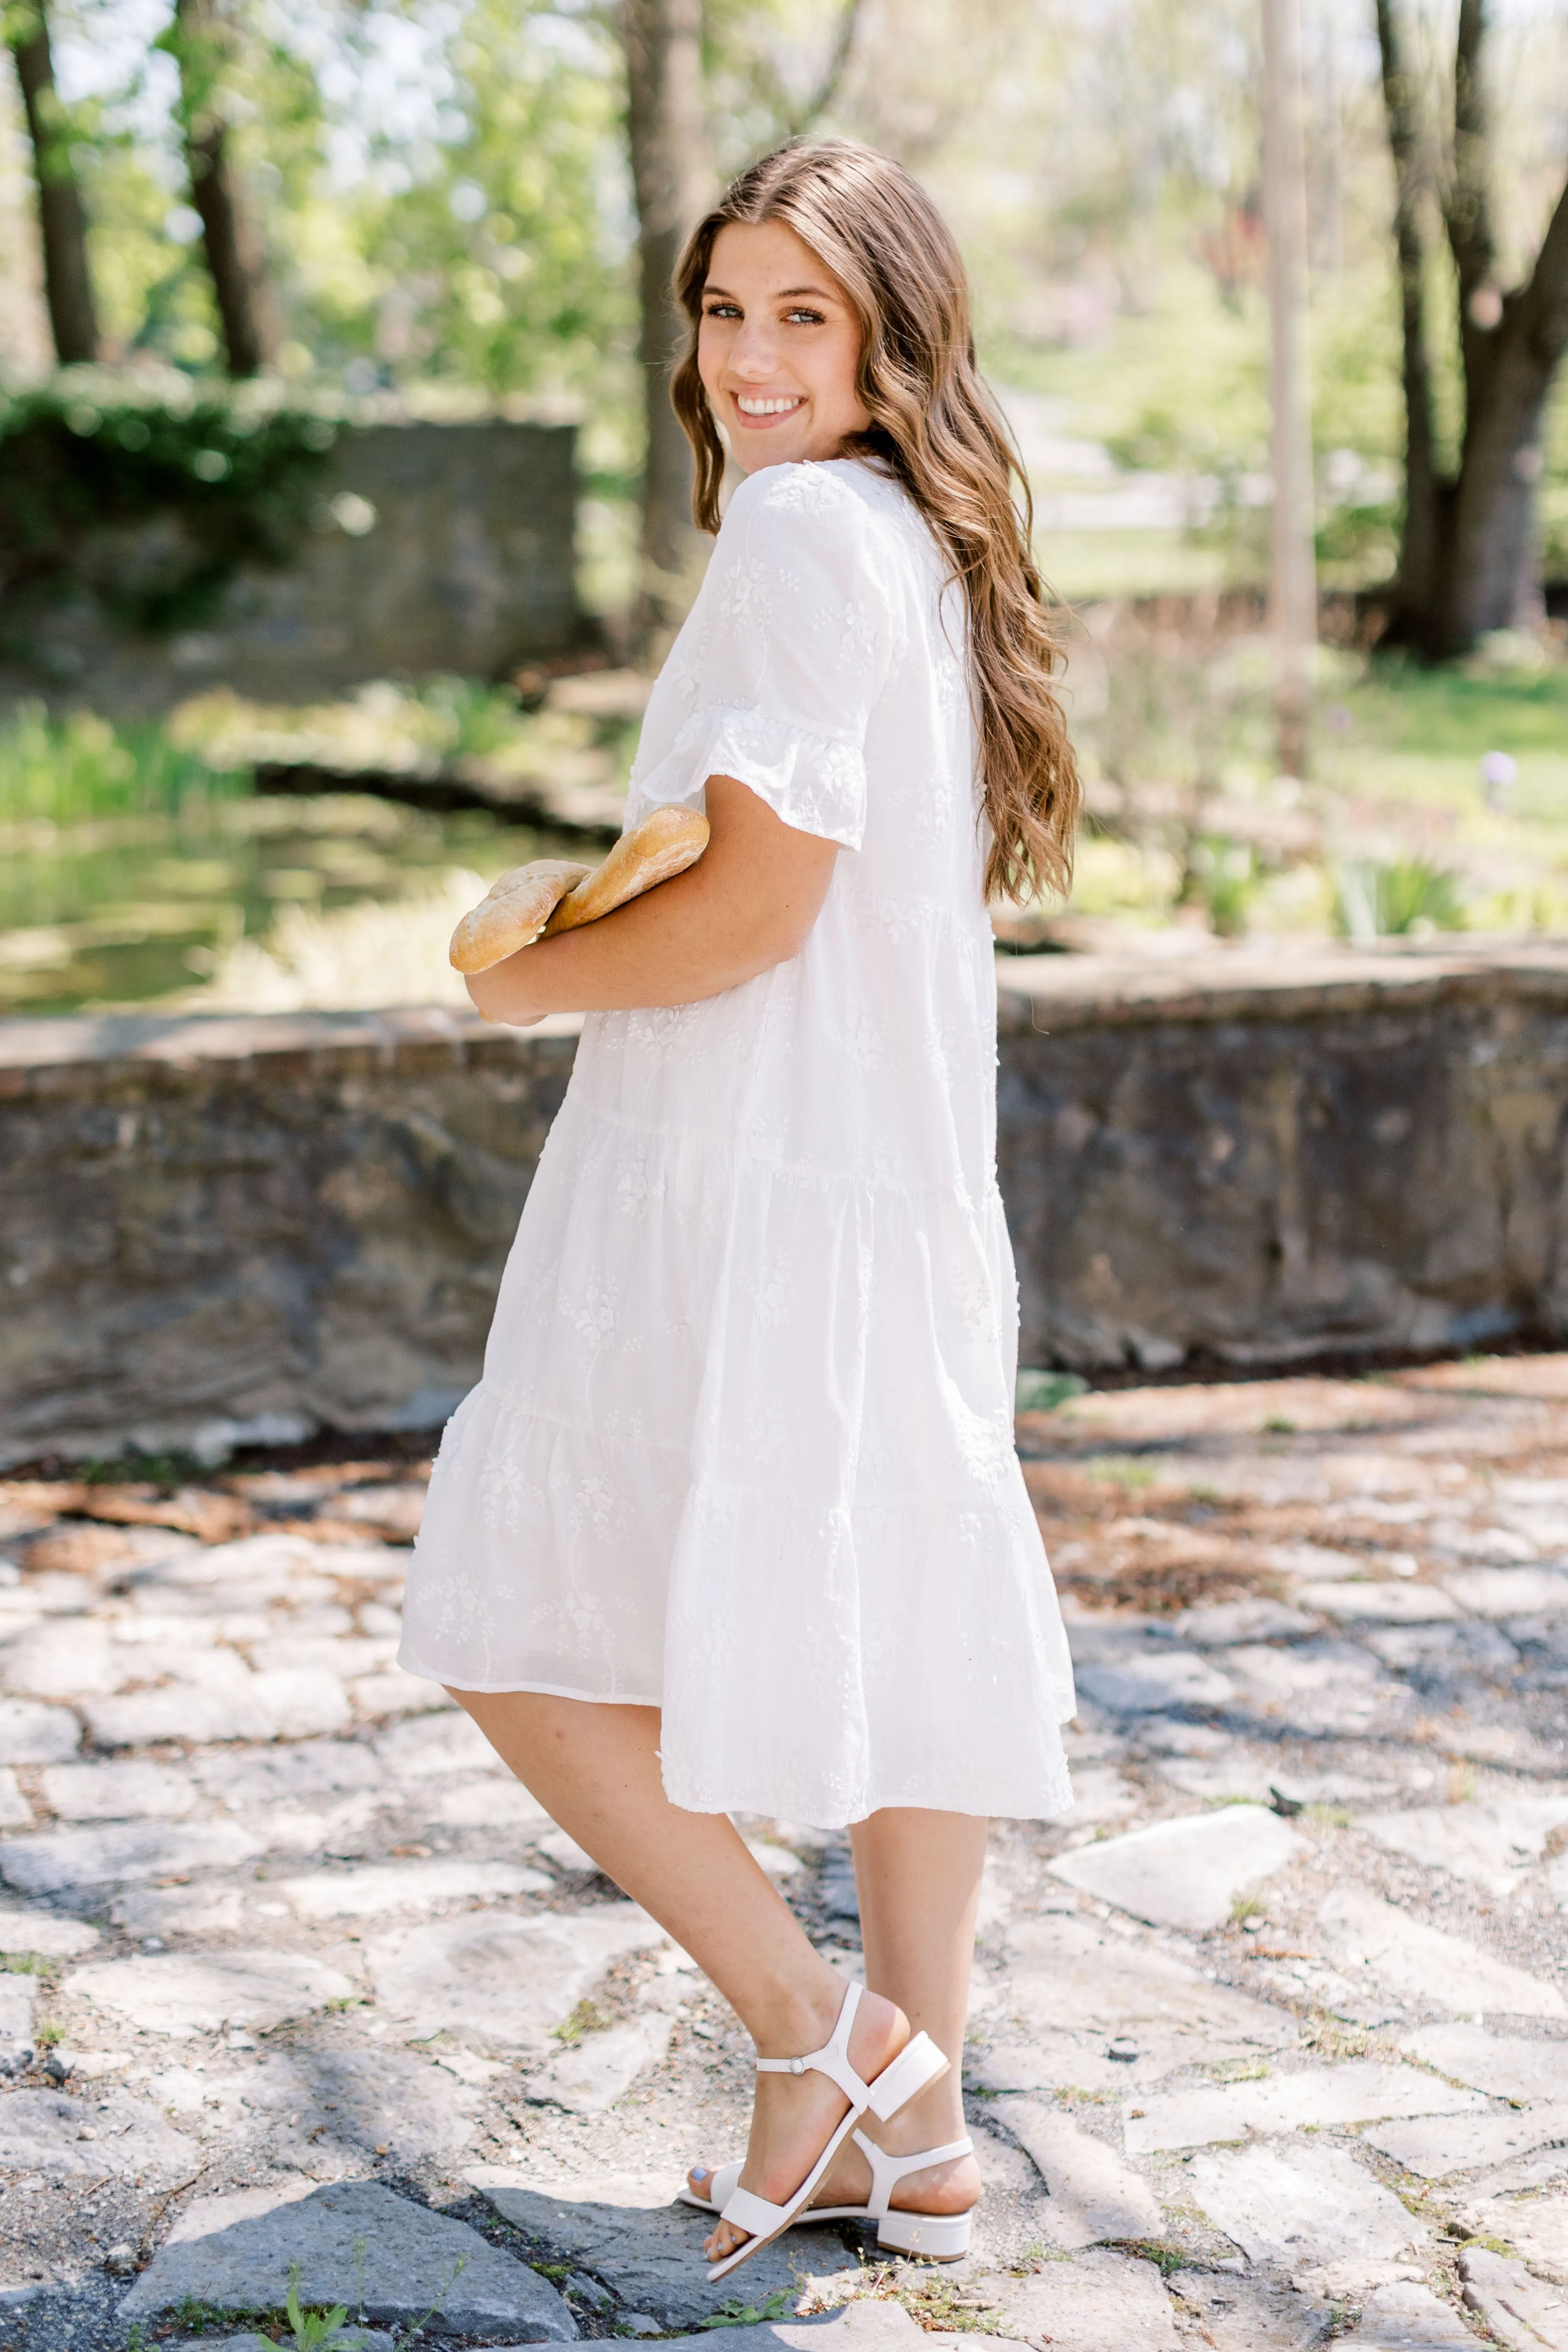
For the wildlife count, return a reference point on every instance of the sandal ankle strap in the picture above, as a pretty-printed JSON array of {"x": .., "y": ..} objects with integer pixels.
[{"x": 832, "y": 2059}]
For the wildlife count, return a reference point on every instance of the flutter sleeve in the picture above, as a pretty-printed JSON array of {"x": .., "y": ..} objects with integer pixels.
[{"x": 789, "y": 654}]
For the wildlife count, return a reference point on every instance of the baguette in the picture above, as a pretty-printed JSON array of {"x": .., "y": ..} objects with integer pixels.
[
  {"x": 512, "y": 913},
  {"x": 662, "y": 846}
]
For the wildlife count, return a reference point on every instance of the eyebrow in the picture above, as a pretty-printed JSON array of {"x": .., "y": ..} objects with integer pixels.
[{"x": 790, "y": 293}]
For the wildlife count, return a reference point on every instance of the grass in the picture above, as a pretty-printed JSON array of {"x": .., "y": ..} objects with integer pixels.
[{"x": 76, "y": 770}]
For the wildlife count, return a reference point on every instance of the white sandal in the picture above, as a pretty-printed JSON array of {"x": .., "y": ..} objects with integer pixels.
[
  {"x": 937, "y": 2237},
  {"x": 918, "y": 2063}
]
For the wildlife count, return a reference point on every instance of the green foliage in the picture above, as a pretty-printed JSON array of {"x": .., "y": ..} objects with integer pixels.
[
  {"x": 1222, "y": 876},
  {"x": 71, "y": 771},
  {"x": 29, "y": 1964},
  {"x": 1378, "y": 899},
  {"x": 233, "y": 474},
  {"x": 736, "y": 2313},
  {"x": 311, "y": 2329},
  {"x": 1040, "y": 1391}
]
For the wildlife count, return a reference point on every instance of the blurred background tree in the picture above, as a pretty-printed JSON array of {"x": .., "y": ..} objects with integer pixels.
[{"x": 468, "y": 201}]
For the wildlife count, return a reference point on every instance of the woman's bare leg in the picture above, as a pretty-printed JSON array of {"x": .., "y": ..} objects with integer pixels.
[
  {"x": 918, "y": 1874},
  {"x": 596, "y": 1770}
]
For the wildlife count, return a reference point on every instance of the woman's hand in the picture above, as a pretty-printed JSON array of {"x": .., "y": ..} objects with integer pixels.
[{"x": 748, "y": 904}]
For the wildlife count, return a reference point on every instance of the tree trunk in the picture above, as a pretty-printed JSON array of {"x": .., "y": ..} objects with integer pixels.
[
  {"x": 1418, "y": 551},
  {"x": 669, "y": 178},
  {"x": 67, "y": 287},
  {"x": 235, "y": 258},
  {"x": 1468, "y": 558},
  {"x": 1488, "y": 568}
]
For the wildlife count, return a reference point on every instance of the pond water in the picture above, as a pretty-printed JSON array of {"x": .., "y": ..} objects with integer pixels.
[{"x": 121, "y": 912}]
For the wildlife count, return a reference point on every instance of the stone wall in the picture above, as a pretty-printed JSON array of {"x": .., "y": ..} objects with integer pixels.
[
  {"x": 211, "y": 1225},
  {"x": 437, "y": 547}
]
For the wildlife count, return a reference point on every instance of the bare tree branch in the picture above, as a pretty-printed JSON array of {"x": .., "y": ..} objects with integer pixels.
[
  {"x": 1468, "y": 205},
  {"x": 1542, "y": 304},
  {"x": 236, "y": 255},
  {"x": 828, "y": 87}
]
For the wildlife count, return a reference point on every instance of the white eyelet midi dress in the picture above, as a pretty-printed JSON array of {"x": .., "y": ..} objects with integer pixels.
[{"x": 743, "y": 1445}]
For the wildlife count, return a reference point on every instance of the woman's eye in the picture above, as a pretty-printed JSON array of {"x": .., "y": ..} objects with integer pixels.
[
  {"x": 721, "y": 310},
  {"x": 804, "y": 317}
]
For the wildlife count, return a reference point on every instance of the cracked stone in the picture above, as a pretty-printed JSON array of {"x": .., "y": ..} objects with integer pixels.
[
  {"x": 1435, "y": 2149},
  {"x": 1381, "y": 1605},
  {"x": 274, "y": 1776},
  {"x": 1521, "y": 2312},
  {"x": 502, "y": 1982},
  {"x": 1144, "y": 1684},
  {"x": 591, "y": 2074},
  {"x": 1504, "y": 2066},
  {"x": 1100, "y": 1793},
  {"x": 627, "y": 2229},
  {"x": 127, "y": 1850},
  {"x": 1093, "y": 2198},
  {"x": 393, "y": 1692},
  {"x": 1511, "y": 1591},
  {"x": 182, "y": 1993},
  {"x": 1222, "y": 1623},
  {"x": 34, "y": 1734},
  {"x": 1300, "y": 2204},
  {"x": 1072, "y": 1987},
  {"x": 1089, "y": 2305},
  {"x": 414, "y": 2258},
  {"x": 44, "y": 1932},
  {"x": 412, "y": 1885},
  {"x": 283, "y": 1706},
  {"x": 1425, "y": 1964},
  {"x": 42, "y": 2131},
  {"x": 17, "y": 1994},
  {"x": 1246, "y": 2315},
  {"x": 432, "y": 1746},
  {"x": 1318, "y": 1686},
  {"x": 487, "y": 1804},
  {"x": 1408, "y": 2318},
  {"x": 1362, "y": 2092},
  {"x": 116, "y": 1792},
  {"x": 1536, "y": 2226},
  {"x": 1186, "y": 1873},
  {"x": 1488, "y": 1843},
  {"x": 367, "y": 2099},
  {"x": 15, "y": 1812}
]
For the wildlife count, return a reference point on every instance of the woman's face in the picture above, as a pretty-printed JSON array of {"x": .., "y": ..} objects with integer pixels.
[{"x": 777, "y": 349}]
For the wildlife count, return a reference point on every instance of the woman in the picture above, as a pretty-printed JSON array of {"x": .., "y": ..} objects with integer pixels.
[{"x": 733, "y": 1521}]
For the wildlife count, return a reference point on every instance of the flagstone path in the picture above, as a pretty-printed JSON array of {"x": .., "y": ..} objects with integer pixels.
[{"x": 1270, "y": 2041}]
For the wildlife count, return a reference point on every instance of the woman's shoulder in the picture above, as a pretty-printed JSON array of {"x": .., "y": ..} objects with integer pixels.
[{"x": 790, "y": 500}]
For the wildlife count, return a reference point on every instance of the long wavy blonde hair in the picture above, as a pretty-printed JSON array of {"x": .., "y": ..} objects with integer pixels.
[{"x": 935, "y": 429}]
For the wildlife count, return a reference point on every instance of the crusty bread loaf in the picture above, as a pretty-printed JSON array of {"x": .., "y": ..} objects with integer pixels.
[
  {"x": 513, "y": 912},
  {"x": 662, "y": 846}
]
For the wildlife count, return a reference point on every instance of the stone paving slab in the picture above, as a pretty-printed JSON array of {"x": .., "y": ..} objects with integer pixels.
[
  {"x": 1098, "y": 2300},
  {"x": 180, "y": 1995},
  {"x": 1361, "y": 2091},
  {"x": 1336, "y": 1623},
  {"x": 1520, "y": 2312},
  {"x": 1426, "y": 1964},
  {"x": 1094, "y": 2198},
  {"x": 503, "y": 1982},
  {"x": 90, "y": 2138},
  {"x": 359, "y": 2243},
  {"x": 629, "y": 2232},
  {"x": 1407, "y": 2317},
  {"x": 1301, "y": 2204},
  {"x": 1437, "y": 2148},
  {"x": 1504, "y": 2066},
  {"x": 1186, "y": 1873}
]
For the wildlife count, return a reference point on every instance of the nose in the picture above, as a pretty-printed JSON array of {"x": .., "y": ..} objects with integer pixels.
[{"x": 753, "y": 353}]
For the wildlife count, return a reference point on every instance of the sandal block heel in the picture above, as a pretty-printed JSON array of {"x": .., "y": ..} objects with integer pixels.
[
  {"x": 919, "y": 2063},
  {"x": 938, "y": 2237}
]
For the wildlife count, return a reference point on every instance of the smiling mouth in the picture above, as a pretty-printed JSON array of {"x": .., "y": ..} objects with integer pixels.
[{"x": 753, "y": 406}]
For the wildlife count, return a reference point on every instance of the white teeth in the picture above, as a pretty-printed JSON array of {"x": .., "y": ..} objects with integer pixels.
[{"x": 765, "y": 407}]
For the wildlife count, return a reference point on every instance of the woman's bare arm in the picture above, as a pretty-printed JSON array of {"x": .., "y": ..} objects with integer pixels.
[{"x": 746, "y": 905}]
